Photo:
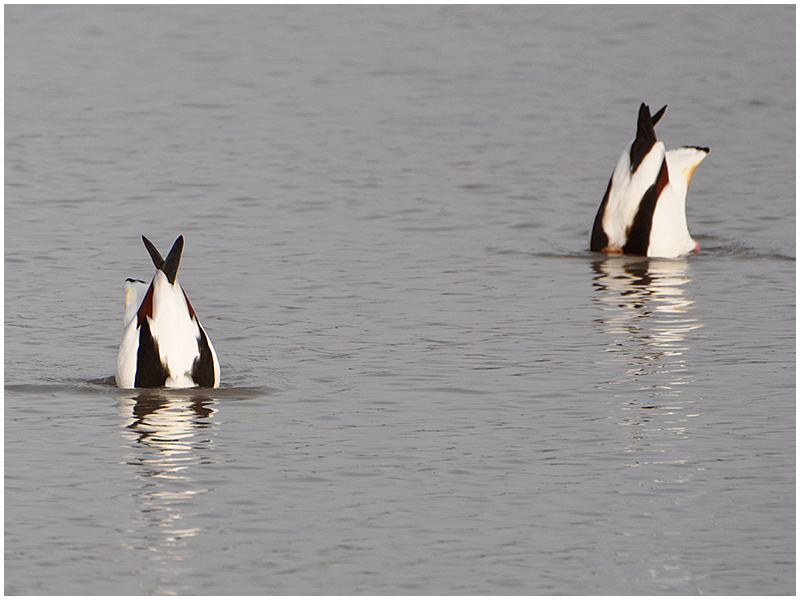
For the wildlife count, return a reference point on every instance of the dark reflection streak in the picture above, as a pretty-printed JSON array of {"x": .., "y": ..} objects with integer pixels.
[{"x": 149, "y": 403}]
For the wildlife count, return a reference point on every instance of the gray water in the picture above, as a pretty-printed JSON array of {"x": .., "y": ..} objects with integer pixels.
[{"x": 430, "y": 385}]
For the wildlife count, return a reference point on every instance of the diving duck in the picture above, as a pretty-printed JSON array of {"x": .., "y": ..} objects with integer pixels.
[
  {"x": 644, "y": 209},
  {"x": 164, "y": 344}
]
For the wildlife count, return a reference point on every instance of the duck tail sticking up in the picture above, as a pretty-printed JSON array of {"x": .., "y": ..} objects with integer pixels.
[
  {"x": 169, "y": 266},
  {"x": 164, "y": 344},
  {"x": 643, "y": 211}
]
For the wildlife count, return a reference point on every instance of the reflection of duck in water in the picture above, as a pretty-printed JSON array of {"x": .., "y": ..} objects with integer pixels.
[
  {"x": 639, "y": 281},
  {"x": 169, "y": 417},
  {"x": 644, "y": 209},
  {"x": 164, "y": 344},
  {"x": 647, "y": 311},
  {"x": 170, "y": 433}
]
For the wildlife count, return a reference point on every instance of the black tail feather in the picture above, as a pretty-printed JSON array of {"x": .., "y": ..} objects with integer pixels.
[
  {"x": 170, "y": 266},
  {"x": 645, "y": 136},
  {"x": 158, "y": 260},
  {"x": 657, "y": 117}
]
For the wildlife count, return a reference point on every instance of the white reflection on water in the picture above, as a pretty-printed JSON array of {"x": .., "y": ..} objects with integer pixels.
[
  {"x": 648, "y": 320},
  {"x": 168, "y": 432},
  {"x": 647, "y": 316}
]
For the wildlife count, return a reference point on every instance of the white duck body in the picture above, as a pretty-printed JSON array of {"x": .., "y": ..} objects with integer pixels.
[
  {"x": 135, "y": 289},
  {"x": 164, "y": 344},
  {"x": 626, "y": 192},
  {"x": 644, "y": 208},
  {"x": 669, "y": 234}
]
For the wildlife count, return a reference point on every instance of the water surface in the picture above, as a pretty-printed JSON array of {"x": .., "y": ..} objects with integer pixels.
[{"x": 430, "y": 386}]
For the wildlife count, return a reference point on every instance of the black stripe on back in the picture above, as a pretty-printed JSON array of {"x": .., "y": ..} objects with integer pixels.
[
  {"x": 639, "y": 235},
  {"x": 599, "y": 236},
  {"x": 203, "y": 366},
  {"x": 150, "y": 373}
]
